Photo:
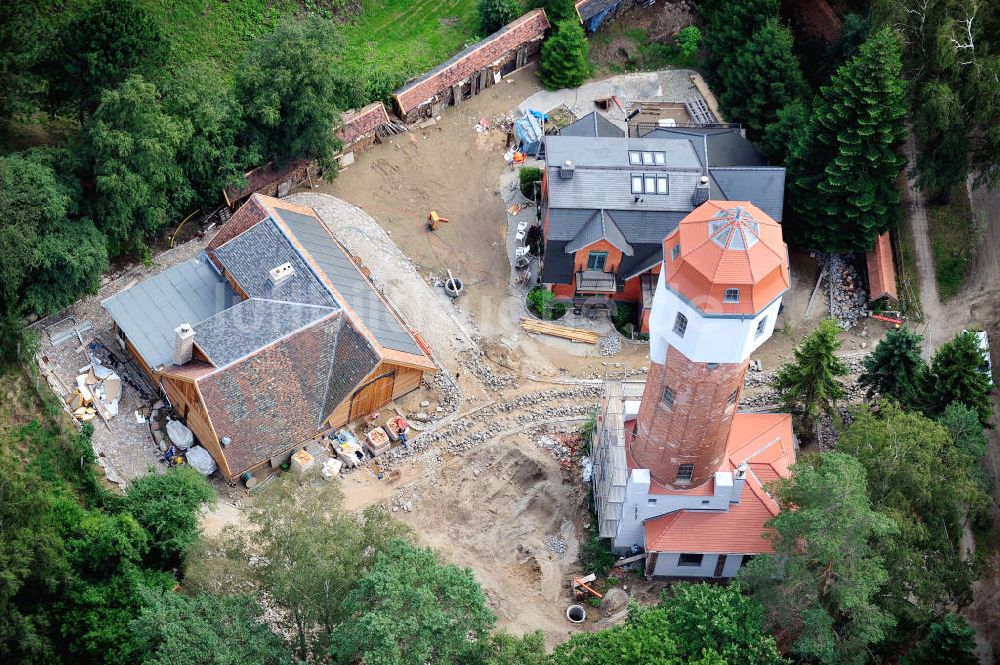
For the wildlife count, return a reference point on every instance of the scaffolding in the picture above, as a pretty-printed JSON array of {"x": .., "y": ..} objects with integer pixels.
[{"x": 610, "y": 468}]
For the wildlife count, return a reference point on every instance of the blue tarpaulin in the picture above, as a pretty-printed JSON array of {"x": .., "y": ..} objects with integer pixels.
[{"x": 529, "y": 133}]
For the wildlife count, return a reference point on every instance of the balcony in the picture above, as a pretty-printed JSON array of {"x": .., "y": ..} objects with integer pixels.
[{"x": 596, "y": 281}]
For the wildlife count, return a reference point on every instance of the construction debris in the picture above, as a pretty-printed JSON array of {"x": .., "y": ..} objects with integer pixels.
[
  {"x": 610, "y": 345},
  {"x": 556, "y": 545},
  {"x": 848, "y": 298},
  {"x": 565, "y": 332},
  {"x": 98, "y": 391}
]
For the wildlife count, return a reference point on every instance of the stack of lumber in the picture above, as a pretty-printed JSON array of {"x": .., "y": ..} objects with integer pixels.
[{"x": 565, "y": 332}]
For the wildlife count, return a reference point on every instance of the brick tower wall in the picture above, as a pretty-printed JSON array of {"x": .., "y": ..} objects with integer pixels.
[{"x": 695, "y": 430}]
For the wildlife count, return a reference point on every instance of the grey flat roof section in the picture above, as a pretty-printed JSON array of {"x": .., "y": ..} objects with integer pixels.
[
  {"x": 251, "y": 325},
  {"x": 762, "y": 186},
  {"x": 358, "y": 292},
  {"x": 149, "y": 312},
  {"x": 611, "y": 189}
]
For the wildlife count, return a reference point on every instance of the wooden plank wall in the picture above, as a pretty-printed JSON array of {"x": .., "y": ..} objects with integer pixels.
[{"x": 186, "y": 398}]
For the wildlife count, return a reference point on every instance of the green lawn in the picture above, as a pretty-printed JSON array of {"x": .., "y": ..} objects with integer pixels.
[{"x": 953, "y": 240}]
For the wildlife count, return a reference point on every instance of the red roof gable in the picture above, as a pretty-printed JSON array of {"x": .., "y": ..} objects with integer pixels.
[
  {"x": 881, "y": 270},
  {"x": 358, "y": 123}
]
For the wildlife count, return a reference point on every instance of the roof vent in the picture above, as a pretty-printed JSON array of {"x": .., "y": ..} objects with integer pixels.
[
  {"x": 666, "y": 122},
  {"x": 183, "y": 344},
  {"x": 704, "y": 181},
  {"x": 567, "y": 169},
  {"x": 281, "y": 273}
]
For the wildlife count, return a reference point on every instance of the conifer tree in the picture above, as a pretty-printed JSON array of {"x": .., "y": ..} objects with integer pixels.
[
  {"x": 729, "y": 25},
  {"x": 565, "y": 57},
  {"x": 765, "y": 78},
  {"x": 893, "y": 368},
  {"x": 956, "y": 375},
  {"x": 495, "y": 14},
  {"x": 810, "y": 382},
  {"x": 952, "y": 641},
  {"x": 843, "y": 175}
]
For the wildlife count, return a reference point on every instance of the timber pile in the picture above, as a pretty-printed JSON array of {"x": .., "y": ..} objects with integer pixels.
[{"x": 565, "y": 332}]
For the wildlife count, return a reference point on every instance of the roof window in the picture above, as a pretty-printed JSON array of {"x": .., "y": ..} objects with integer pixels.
[
  {"x": 650, "y": 183},
  {"x": 647, "y": 157}
]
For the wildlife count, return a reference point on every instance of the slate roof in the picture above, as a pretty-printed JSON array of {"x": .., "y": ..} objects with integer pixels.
[
  {"x": 251, "y": 325},
  {"x": 601, "y": 181},
  {"x": 149, "y": 312},
  {"x": 357, "y": 292},
  {"x": 593, "y": 125},
  {"x": 600, "y": 227},
  {"x": 249, "y": 256}
]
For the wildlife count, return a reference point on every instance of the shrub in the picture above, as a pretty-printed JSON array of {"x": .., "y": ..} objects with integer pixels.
[
  {"x": 535, "y": 240},
  {"x": 495, "y": 14},
  {"x": 540, "y": 302},
  {"x": 688, "y": 41},
  {"x": 529, "y": 175}
]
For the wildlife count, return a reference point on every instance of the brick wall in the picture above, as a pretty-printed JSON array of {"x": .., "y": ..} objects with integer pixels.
[
  {"x": 696, "y": 429},
  {"x": 613, "y": 260},
  {"x": 416, "y": 97}
]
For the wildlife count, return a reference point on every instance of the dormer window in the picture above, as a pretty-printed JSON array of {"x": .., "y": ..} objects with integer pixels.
[
  {"x": 732, "y": 295},
  {"x": 647, "y": 158},
  {"x": 675, "y": 252},
  {"x": 650, "y": 183},
  {"x": 634, "y": 157},
  {"x": 636, "y": 184}
]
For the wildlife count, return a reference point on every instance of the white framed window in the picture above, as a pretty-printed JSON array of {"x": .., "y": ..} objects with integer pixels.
[
  {"x": 647, "y": 158},
  {"x": 649, "y": 183},
  {"x": 685, "y": 472},
  {"x": 668, "y": 396},
  {"x": 636, "y": 184},
  {"x": 661, "y": 184},
  {"x": 732, "y": 295},
  {"x": 761, "y": 326},
  {"x": 634, "y": 157},
  {"x": 675, "y": 252},
  {"x": 660, "y": 158},
  {"x": 680, "y": 324}
]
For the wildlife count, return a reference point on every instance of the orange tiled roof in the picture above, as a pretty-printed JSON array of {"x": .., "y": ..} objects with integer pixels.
[
  {"x": 764, "y": 441},
  {"x": 727, "y": 245},
  {"x": 881, "y": 270},
  {"x": 361, "y": 122}
]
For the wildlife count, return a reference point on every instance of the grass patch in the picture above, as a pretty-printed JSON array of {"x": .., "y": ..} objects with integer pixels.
[
  {"x": 620, "y": 48},
  {"x": 909, "y": 276},
  {"x": 953, "y": 240}
]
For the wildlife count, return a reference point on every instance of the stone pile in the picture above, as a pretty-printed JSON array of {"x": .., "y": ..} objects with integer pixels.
[
  {"x": 403, "y": 500},
  {"x": 556, "y": 545},
  {"x": 848, "y": 298},
  {"x": 562, "y": 445},
  {"x": 480, "y": 366},
  {"x": 610, "y": 345}
]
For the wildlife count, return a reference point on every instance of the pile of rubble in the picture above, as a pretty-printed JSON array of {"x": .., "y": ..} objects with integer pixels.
[
  {"x": 848, "y": 298},
  {"x": 403, "y": 500},
  {"x": 480, "y": 366},
  {"x": 562, "y": 445},
  {"x": 502, "y": 122},
  {"x": 610, "y": 345},
  {"x": 556, "y": 545}
]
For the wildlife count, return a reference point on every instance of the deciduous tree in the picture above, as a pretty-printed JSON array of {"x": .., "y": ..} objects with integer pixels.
[
  {"x": 565, "y": 57},
  {"x": 98, "y": 50},
  {"x": 409, "y": 610},
  {"x": 951, "y": 641},
  {"x": 495, "y": 14},
  {"x": 203, "y": 630},
  {"x": 132, "y": 145},
  {"x": 809, "y": 383},
  {"x": 893, "y": 368},
  {"x": 843, "y": 175},
  {"x": 820, "y": 592},
  {"x": 941, "y": 126},
  {"x": 287, "y": 87}
]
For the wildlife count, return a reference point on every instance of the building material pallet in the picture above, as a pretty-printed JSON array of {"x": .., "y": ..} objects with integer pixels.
[{"x": 565, "y": 332}]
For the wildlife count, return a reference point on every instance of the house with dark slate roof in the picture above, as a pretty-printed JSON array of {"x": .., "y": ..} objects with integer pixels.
[
  {"x": 608, "y": 201},
  {"x": 270, "y": 337}
]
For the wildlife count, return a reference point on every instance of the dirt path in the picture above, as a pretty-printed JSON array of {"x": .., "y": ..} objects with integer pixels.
[{"x": 916, "y": 217}]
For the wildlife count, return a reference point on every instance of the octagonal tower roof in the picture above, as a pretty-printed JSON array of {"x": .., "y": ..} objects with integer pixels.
[{"x": 731, "y": 258}]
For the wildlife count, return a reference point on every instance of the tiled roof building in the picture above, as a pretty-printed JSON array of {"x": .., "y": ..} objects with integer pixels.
[{"x": 270, "y": 337}]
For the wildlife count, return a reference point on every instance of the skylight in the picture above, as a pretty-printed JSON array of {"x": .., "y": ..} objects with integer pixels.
[{"x": 734, "y": 228}]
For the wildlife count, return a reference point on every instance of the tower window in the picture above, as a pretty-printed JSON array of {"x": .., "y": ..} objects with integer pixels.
[
  {"x": 761, "y": 325},
  {"x": 668, "y": 396},
  {"x": 685, "y": 472},
  {"x": 675, "y": 252},
  {"x": 680, "y": 324},
  {"x": 732, "y": 295}
]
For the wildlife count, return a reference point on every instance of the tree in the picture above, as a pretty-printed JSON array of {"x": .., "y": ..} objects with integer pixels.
[
  {"x": 962, "y": 422},
  {"x": 565, "y": 57},
  {"x": 557, "y": 10},
  {"x": 166, "y": 505},
  {"x": 507, "y": 649},
  {"x": 688, "y": 41},
  {"x": 951, "y": 641},
  {"x": 203, "y": 630},
  {"x": 308, "y": 554},
  {"x": 410, "y": 610},
  {"x": 894, "y": 367},
  {"x": 48, "y": 261},
  {"x": 765, "y": 78},
  {"x": 729, "y": 25},
  {"x": 901, "y": 450},
  {"x": 820, "y": 591},
  {"x": 705, "y": 618},
  {"x": 843, "y": 175},
  {"x": 956, "y": 375},
  {"x": 133, "y": 145},
  {"x": 787, "y": 131},
  {"x": 201, "y": 96},
  {"x": 941, "y": 126},
  {"x": 495, "y": 14},
  {"x": 645, "y": 637},
  {"x": 287, "y": 87},
  {"x": 23, "y": 35},
  {"x": 810, "y": 382},
  {"x": 98, "y": 50}
]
